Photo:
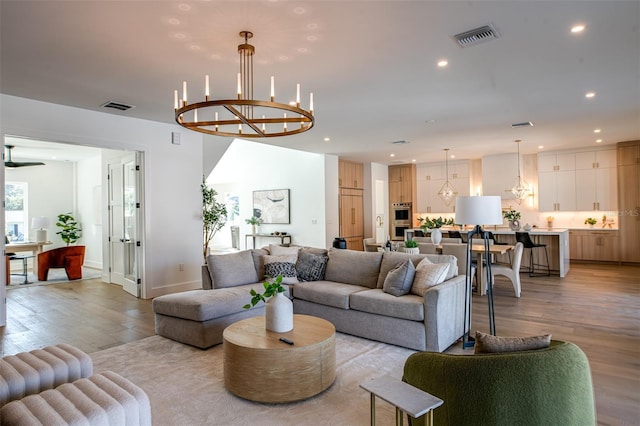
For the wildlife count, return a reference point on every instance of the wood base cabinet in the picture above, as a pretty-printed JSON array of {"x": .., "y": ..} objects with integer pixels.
[
  {"x": 629, "y": 200},
  {"x": 599, "y": 246}
]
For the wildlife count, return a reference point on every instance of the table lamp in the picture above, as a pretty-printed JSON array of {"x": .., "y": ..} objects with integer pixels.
[
  {"x": 478, "y": 211},
  {"x": 40, "y": 225}
]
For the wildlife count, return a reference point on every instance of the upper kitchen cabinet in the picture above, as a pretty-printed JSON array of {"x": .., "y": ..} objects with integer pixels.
[
  {"x": 596, "y": 180},
  {"x": 350, "y": 174},
  {"x": 402, "y": 183},
  {"x": 431, "y": 177},
  {"x": 557, "y": 182}
]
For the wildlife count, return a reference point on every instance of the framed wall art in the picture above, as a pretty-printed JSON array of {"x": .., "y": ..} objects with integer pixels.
[{"x": 272, "y": 206}]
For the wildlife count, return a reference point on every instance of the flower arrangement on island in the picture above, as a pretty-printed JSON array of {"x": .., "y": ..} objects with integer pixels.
[{"x": 434, "y": 223}]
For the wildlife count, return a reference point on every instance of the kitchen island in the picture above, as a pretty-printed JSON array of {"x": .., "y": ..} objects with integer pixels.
[{"x": 556, "y": 239}]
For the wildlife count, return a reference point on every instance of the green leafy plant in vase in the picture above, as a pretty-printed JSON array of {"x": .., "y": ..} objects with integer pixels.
[
  {"x": 278, "y": 307},
  {"x": 411, "y": 247},
  {"x": 70, "y": 232},
  {"x": 254, "y": 222},
  {"x": 513, "y": 217},
  {"x": 590, "y": 221}
]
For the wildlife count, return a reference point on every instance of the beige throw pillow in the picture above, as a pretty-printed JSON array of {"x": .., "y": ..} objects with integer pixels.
[
  {"x": 486, "y": 343},
  {"x": 276, "y": 250},
  {"x": 400, "y": 279},
  {"x": 427, "y": 275}
]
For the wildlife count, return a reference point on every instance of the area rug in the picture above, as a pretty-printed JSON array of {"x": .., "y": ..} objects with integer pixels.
[
  {"x": 186, "y": 385},
  {"x": 56, "y": 276}
]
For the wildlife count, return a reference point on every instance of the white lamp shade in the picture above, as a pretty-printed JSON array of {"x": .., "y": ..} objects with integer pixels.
[
  {"x": 478, "y": 210},
  {"x": 40, "y": 222}
]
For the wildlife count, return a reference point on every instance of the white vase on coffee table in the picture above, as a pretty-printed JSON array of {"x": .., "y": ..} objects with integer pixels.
[
  {"x": 279, "y": 314},
  {"x": 436, "y": 236}
]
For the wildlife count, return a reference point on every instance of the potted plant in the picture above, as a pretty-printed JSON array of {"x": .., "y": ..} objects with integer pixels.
[
  {"x": 278, "y": 307},
  {"x": 411, "y": 247},
  {"x": 70, "y": 232},
  {"x": 434, "y": 225},
  {"x": 513, "y": 217},
  {"x": 253, "y": 221},
  {"x": 214, "y": 215},
  {"x": 590, "y": 221}
]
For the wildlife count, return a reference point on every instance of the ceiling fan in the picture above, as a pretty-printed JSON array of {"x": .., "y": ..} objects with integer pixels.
[{"x": 14, "y": 164}]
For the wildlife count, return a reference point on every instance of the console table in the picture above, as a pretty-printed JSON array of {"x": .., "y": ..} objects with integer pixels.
[
  {"x": 413, "y": 401},
  {"x": 254, "y": 236}
]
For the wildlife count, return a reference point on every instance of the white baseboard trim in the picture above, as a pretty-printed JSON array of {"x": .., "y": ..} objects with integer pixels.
[{"x": 172, "y": 288}]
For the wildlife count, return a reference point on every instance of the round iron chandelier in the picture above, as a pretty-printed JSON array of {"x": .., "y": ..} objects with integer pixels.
[{"x": 243, "y": 117}]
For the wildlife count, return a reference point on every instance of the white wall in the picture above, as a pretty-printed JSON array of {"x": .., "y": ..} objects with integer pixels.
[
  {"x": 89, "y": 202},
  {"x": 250, "y": 166},
  {"x": 51, "y": 191},
  {"x": 172, "y": 176}
]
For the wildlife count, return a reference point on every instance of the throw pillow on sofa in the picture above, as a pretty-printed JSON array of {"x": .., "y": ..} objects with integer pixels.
[
  {"x": 400, "y": 279},
  {"x": 311, "y": 267},
  {"x": 486, "y": 343},
  {"x": 281, "y": 265},
  {"x": 428, "y": 275}
]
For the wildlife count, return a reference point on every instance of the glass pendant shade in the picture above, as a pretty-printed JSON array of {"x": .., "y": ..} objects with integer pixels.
[
  {"x": 447, "y": 192},
  {"x": 520, "y": 188}
]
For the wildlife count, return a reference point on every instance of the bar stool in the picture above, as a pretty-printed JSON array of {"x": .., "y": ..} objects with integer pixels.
[
  {"x": 24, "y": 258},
  {"x": 525, "y": 239}
]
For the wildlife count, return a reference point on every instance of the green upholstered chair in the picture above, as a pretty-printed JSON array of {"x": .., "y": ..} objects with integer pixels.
[{"x": 550, "y": 386}]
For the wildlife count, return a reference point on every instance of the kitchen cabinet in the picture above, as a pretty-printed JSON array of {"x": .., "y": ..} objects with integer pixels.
[
  {"x": 595, "y": 245},
  {"x": 350, "y": 174},
  {"x": 402, "y": 183},
  {"x": 628, "y": 161},
  {"x": 556, "y": 162},
  {"x": 596, "y": 177},
  {"x": 557, "y": 191},
  {"x": 429, "y": 180},
  {"x": 352, "y": 217}
]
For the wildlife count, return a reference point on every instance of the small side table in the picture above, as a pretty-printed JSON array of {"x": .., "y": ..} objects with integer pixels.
[{"x": 403, "y": 396}]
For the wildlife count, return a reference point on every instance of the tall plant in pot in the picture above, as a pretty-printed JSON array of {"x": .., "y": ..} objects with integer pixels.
[
  {"x": 69, "y": 232},
  {"x": 214, "y": 215}
]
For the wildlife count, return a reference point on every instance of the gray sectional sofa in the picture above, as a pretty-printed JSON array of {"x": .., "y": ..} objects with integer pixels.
[{"x": 348, "y": 288}]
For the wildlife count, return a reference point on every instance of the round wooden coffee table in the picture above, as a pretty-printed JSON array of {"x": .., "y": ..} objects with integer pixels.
[{"x": 259, "y": 367}]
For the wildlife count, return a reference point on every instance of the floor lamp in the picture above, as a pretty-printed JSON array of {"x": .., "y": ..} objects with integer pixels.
[{"x": 478, "y": 211}]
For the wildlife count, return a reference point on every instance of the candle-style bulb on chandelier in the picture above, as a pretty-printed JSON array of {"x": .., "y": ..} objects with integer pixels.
[
  {"x": 447, "y": 193},
  {"x": 520, "y": 188},
  {"x": 243, "y": 117}
]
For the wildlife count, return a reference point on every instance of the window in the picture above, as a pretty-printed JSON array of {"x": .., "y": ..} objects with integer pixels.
[{"x": 16, "y": 211}]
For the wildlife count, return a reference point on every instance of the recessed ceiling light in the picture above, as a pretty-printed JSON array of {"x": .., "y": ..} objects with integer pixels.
[
  {"x": 540, "y": 146},
  {"x": 590, "y": 95},
  {"x": 413, "y": 160},
  {"x": 443, "y": 63},
  {"x": 327, "y": 139},
  {"x": 598, "y": 140},
  {"x": 597, "y": 131},
  {"x": 577, "y": 28},
  {"x": 452, "y": 156},
  {"x": 392, "y": 155}
]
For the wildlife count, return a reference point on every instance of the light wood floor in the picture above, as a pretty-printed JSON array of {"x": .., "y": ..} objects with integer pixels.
[{"x": 596, "y": 307}]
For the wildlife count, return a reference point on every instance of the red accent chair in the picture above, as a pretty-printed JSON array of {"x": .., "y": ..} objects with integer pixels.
[{"x": 70, "y": 258}]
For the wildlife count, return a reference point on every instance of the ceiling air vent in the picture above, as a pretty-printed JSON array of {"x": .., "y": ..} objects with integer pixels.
[
  {"x": 400, "y": 142},
  {"x": 523, "y": 124},
  {"x": 117, "y": 105},
  {"x": 478, "y": 35}
]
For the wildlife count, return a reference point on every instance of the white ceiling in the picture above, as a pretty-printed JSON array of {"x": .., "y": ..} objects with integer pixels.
[{"x": 371, "y": 65}]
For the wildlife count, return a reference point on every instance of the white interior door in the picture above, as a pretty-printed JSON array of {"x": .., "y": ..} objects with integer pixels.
[{"x": 124, "y": 241}]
